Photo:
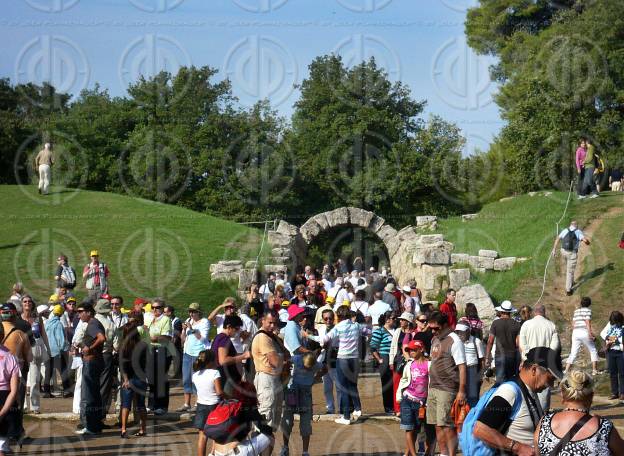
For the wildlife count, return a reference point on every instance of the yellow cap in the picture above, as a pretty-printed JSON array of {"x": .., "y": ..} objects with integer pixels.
[
  {"x": 94, "y": 253},
  {"x": 329, "y": 300},
  {"x": 58, "y": 310},
  {"x": 285, "y": 303},
  {"x": 346, "y": 302},
  {"x": 147, "y": 307},
  {"x": 124, "y": 310},
  {"x": 53, "y": 299}
]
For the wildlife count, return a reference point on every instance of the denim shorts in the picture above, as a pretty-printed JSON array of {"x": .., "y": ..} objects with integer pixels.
[
  {"x": 138, "y": 389},
  {"x": 201, "y": 414},
  {"x": 409, "y": 414}
]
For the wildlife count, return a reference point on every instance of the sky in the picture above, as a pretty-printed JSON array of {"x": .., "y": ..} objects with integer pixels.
[{"x": 263, "y": 46}]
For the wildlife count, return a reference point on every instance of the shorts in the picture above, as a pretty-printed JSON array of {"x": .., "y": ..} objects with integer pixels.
[
  {"x": 201, "y": 414},
  {"x": 137, "y": 389},
  {"x": 439, "y": 405},
  {"x": 270, "y": 397},
  {"x": 409, "y": 414},
  {"x": 302, "y": 398}
]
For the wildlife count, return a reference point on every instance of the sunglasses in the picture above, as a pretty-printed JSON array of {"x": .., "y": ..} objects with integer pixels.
[
  {"x": 156, "y": 307},
  {"x": 423, "y": 321},
  {"x": 27, "y": 300},
  {"x": 434, "y": 328}
]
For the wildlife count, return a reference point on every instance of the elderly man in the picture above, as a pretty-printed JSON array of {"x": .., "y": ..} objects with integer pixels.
[
  {"x": 570, "y": 239},
  {"x": 43, "y": 163},
  {"x": 158, "y": 325},
  {"x": 539, "y": 332},
  {"x": 504, "y": 331}
]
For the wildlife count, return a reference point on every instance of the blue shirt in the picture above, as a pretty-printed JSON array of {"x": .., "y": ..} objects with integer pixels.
[
  {"x": 292, "y": 337},
  {"x": 579, "y": 236},
  {"x": 302, "y": 376}
]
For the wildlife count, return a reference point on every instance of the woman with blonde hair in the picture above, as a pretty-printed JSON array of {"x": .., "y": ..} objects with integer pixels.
[{"x": 574, "y": 430}]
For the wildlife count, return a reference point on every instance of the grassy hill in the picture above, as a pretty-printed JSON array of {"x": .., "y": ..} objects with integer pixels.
[{"x": 152, "y": 249}]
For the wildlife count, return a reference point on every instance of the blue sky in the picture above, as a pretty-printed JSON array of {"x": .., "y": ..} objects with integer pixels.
[{"x": 264, "y": 46}]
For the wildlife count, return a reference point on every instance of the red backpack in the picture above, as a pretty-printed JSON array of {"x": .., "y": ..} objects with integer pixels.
[{"x": 222, "y": 422}]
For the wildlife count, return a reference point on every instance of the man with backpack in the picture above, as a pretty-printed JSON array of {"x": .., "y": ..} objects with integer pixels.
[
  {"x": 96, "y": 276},
  {"x": 505, "y": 418},
  {"x": 570, "y": 239},
  {"x": 65, "y": 275}
]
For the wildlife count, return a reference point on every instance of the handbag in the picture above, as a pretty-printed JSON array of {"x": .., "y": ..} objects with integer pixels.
[
  {"x": 39, "y": 351},
  {"x": 459, "y": 413},
  {"x": 571, "y": 433}
]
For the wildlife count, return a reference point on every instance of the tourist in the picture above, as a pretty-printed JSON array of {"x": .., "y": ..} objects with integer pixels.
[
  {"x": 447, "y": 381},
  {"x": 582, "y": 333},
  {"x": 512, "y": 433},
  {"x": 612, "y": 335},
  {"x": 17, "y": 291},
  {"x": 411, "y": 394},
  {"x": 92, "y": 366},
  {"x": 195, "y": 339},
  {"x": 208, "y": 384},
  {"x": 338, "y": 293},
  {"x": 227, "y": 360},
  {"x": 40, "y": 352},
  {"x": 266, "y": 288},
  {"x": 43, "y": 164},
  {"x": 216, "y": 318},
  {"x": 581, "y": 151},
  {"x": 616, "y": 179},
  {"x": 65, "y": 275},
  {"x": 299, "y": 400},
  {"x": 59, "y": 348},
  {"x": 176, "y": 334},
  {"x": 319, "y": 323},
  {"x": 133, "y": 355},
  {"x": 10, "y": 422},
  {"x": 585, "y": 433},
  {"x": 298, "y": 319},
  {"x": 570, "y": 239},
  {"x": 269, "y": 358},
  {"x": 471, "y": 318},
  {"x": 475, "y": 355},
  {"x": 330, "y": 353},
  {"x": 348, "y": 334},
  {"x": 380, "y": 344},
  {"x": 299, "y": 298},
  {"x": 118, "y": 319},
  {"x": 314, "y": 297},
  {"x": 525, "y": 314},
  {"x": 279, "y": 296},
  {"x": 410, "y": 303},
  {"x": 360, "y": 307},
  {"x": 254, "y": 299},
  {"x": 158, "y": 327},
  {"x": 420, "y": 332},
  {"x": 398, "y": 355},
  {"x": 504, "y": 331},
  {"x": 96, "y": 276},
  {"x": 378, "y": 308},
  {"x": 389, "y": 298},
  {"x": 449, "y": 308},
  {"x": 79, "y": 331},
  {"x": 589, "y": 168}
]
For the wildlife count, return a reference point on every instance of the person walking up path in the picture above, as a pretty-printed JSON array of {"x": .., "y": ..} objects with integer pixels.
[
  {"x": 582, "y": 333},
  {"x": 570, "y": 239},
  {"x": 43, "y": 163}
]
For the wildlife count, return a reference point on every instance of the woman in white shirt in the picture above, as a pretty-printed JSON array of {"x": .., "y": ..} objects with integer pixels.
[
  {"x": 195, "y": 339},
  {"x": 207, "y": 383},
  {"x": 582, "y": 333}
]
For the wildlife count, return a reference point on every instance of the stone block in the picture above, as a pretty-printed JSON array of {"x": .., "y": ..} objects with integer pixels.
[
  {"x": 338, "y": 217},
  {"x": 467, "y": 217},
  {"x": 287, "y": 228},
  {"x": 458, "y": 278},
  {"x": 279, "y": 239},
  {"x": 360, "y": 217},
  {"x": 280, "y": 251},
  {"x": 231, "y": 275},
  {"x": 386, "y": 232},
  {"x": 431, "y": 255},
  {"x": 407, "y": 234},
  {"x": 477, "y": 295},
  {"x": 251, "y": 264},
  {"x": 504, "y": 264},
  {"x": 231, "y": 263},
  {"x": 459, "y": 258},
  {"x": 275, "y": 268},
  {"x": 429, "y": 277},
  {"x": 425, "y": 219},
  {"x": 479, "y": 262},
  {"x": 245, "y": 277},
  {"x": 376, "y": 223},
  {"x": 321, "y": 220},
  {"x": 393, "y": 245},
  {"x": 430, "y": 238},
  {"x": 309, "y": 230},
  {"x": 279, "y": 260},
  {"x": 226, "y": 266},
  {"x": 488, "y": 253}
]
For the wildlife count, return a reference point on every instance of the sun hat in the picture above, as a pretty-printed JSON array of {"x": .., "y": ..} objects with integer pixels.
[
  {"x": 103, "y": 306},
  {"x": 389, "y": 287},
  {"x": 147, "y": 308},
  {"x": 94, "y": 253},
  {"x": 407, "y": 316},
  {"x": 505, "y": 307},
  {"x": 461, "y": 327},
  {"x": 406, "y": 289},
  {"x": 294, "y": 311},
  {"x": 194, "y": 306},
  {"x": 138, "y": 301},
  {"x": 42, "y": 308},
  {"x": 415, "y": 344}
]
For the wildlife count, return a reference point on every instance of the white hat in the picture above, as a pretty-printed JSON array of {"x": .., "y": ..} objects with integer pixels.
[
  {"x": 407, "y": 316},
  {"x": 505, "y": 307},
  {"x": 389, "y": 287},
  {"x": 406, "y": 289},
  {"x": 461, "y": 327},
  {"x": 42, "y": 308}
]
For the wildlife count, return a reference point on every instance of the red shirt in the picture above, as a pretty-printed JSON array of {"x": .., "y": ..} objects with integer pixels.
[{"x": 450, "y": 310}]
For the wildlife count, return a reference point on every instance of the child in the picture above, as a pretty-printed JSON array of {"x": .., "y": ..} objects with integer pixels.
[
  {"x": 412, "y": 393},
  {"x": 207, "y": 382},
  {"x": 299, "y": 399},
  {"x": 474, "y": 363}
]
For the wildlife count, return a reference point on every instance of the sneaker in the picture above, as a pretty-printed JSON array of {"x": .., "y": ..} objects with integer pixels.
[
  {"x": 595, "y": 195},
  {"x": 67, "y": 394},
  {"x": 159, "y": 412},
  {"x": 342, "y": 421},
  {"x": 192, "y": 409},
  {"x": 84, "y": 431},
  {"x": 357, "y": 413},
  {"x": 614, "y": 396},
  {"x": 581, "y": 197},
  {"x": 184, "y": 408}
]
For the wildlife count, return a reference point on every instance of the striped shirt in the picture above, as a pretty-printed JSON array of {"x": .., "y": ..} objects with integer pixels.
[
  {"x": 581, "y": 315},
  {"x": 348, "y": 334},
  {"x": 381, "y": 341}
]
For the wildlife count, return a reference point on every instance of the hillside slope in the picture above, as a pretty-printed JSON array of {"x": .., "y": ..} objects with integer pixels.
[{"x": 152, "y": 249}]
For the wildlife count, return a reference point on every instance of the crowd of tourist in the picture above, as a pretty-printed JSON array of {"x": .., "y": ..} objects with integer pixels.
[{"x": 269, "y": 349}]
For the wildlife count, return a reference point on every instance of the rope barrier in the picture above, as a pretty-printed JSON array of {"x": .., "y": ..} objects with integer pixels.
[{"x": 266, "y": 226}]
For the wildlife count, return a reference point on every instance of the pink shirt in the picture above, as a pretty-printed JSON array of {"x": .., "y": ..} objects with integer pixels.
[
  {"x": 580, "y": 157},
  {"x": 417, "y": 389},
  {"x": 9, "y": 367}
]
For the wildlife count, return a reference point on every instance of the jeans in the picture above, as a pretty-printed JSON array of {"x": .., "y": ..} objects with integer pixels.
[
  {"x": 506, "y": 367},
  {"x": 589, "y": 186},
  {"x": 329, "y": 380},
  {"x": 347, "y": 376},
  {"x": 158, "y": 363},
  {"x": 385, "y": 375},
  {"x": 473, "y": 384},
  {"x": 91, "y": 402},
  {"x": 57, "y": 363},
  {"x": 137, "y": 389},
  {"x": 187, "y": 373},
  {"x": 108, "y": 380},
  {"x": 615, "y": 360}
]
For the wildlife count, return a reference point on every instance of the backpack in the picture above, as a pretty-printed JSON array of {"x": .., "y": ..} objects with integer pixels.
[
  {"x": 468, "y": 443},
  {"x": 222, "y": 421},
  {"x": 569, "y": 241},
  {"x": 68, "y": 277},
  {"x": 359, "y": 316}
]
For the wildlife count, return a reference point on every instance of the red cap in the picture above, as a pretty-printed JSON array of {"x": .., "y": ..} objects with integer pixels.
[
  {"x": 294, "y": 310},
  {"x": 415, "y": 344},
  {"x": 106, "y": 296},
  {"x": 141, "y": 301}
]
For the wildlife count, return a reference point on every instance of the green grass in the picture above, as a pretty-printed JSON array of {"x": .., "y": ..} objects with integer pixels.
[{"x": 152, "y": 249}]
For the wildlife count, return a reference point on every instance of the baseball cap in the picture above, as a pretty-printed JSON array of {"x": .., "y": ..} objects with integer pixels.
[
  {"x": 415, "y": 344},
  {"x": 406, "y": 289},
  {"x": 94, "y": 253},
  {"x": 547, "y": 358},
  {"x": 8, "y": 306}
]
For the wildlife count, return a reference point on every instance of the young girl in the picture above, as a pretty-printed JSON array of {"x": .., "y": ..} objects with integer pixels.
[
  {"x": 412, "y": 393},
  {"x": 207, "y": 382}
]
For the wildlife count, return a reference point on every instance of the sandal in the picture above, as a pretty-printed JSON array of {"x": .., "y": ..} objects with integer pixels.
[
  {"x": 124, "y": 435},
  {"x": 139, "y": 434}
]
